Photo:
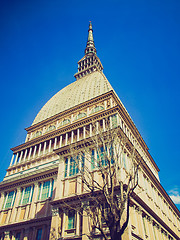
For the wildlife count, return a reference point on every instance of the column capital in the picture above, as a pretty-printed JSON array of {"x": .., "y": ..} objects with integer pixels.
[{"x": 55, "y": 211}]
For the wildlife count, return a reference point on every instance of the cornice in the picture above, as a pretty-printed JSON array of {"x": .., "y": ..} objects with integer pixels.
[
  {"x": 154, "y": 215},
  {"x": 14, "y": 183},
  {"x": 68, "y": 111},
  {"x": 64, "y": 129},
  {"x": 24, "y": 223}
]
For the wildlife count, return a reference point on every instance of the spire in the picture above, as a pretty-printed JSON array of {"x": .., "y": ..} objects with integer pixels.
[
  {"x": 90, "y": 62},
  {"x": 90, "y": 47}
]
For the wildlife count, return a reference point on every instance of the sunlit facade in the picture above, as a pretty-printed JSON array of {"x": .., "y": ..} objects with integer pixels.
[{"x": 42, "y": 172}]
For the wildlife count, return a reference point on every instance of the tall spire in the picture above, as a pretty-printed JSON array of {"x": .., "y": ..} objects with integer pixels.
[
  {"x": 90, "y": 62},
  {"x": 90, "y": 47}
]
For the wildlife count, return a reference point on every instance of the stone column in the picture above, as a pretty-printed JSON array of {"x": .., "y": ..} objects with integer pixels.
[
  {"x": 72, "y": 136},
  {"x": 86, "y": 222},
  {"x": 35, "y": 148},
  {"x": 140, "y": 222},
  {"x": 39, "y": 151},
  {"x": 60, "y": 142},
  {"x": 84, "y": 132},
  {"x": 44, "y": 150},
  {"x": 104, "y": 125},
  {"x": 34, "y": 200},
  {"x": 59, "y": 183},
  {"x": 44, "y": 230},
  {"x": 7, "y": 236},
  {"x": 50, "y": 188},
  {"x": 111, "y": 102},
  {"x": 2, "y": 200},
  {"x": 16, "y": 204},
  {"x": 25, "y": 155},
  {"x": 21, "y": 156},
  {"x": 65, "y": 213},
  {"x": 150, "y": 223},
  {"x": 33, "y": 232},
  {"x": 16, "y": 158},
  {"x": 54, "y": 231},
  {"x": 66, "y": 140},
  {"x": 50, "y": 142},
  {"x": 78, "y": 134},
  {"x": 97, "y": 127},
  {"x": 11, "y": 163},
  {"x": 55, "y": 142},
  {"x": 90, "y": 130},
  {"x": 30, "y": 154}
]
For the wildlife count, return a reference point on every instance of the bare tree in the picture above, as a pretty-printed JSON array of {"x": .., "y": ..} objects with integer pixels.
[{"x": 108, "y": 179}]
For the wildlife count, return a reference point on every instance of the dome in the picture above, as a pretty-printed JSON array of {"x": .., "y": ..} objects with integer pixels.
[{"x": 82, "y": 90}]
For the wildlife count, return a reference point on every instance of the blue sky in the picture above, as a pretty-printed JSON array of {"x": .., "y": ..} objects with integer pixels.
[{"x": 138, "y": 43}]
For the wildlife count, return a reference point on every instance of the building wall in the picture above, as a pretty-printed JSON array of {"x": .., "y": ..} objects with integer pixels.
[{"x": 36, "y": 181}]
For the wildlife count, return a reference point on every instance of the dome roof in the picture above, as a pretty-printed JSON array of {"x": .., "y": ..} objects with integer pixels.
[{"x": 82, "y": 90}]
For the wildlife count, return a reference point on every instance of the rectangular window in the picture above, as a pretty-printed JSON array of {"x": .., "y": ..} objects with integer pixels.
[
  {"x": 27, "y": 192},
  {"x": 114, "y": 120},
  {"x": 72, "y": 167},
  {"x": 39, "y": 234},
  {"x": 102, "y": 157},
  {"x": 52, "y": 188},
  {"x": 10, "y": 200},
  {"x": 18, "y": 235},
  {"x": 111, "y": 152},
  {"x": 124, "y": 161},
  {"x": 71, "y": 219},
  {"x": 66, "y": 167},
  {"x": 82, "y": 161},
  {"x": 45, "y": 190},
  {"x": 92, "y": 160}
]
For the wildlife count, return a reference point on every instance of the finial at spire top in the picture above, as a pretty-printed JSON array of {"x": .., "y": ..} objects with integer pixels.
[
  {"x": 90, "y": 47},
  {"x": 90, "y": 62}
]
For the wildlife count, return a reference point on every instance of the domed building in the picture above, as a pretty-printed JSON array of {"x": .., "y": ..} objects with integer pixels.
[{"x": 39, "y": 194}]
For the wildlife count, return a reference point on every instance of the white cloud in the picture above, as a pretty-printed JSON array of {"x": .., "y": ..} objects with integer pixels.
[
  {"x": 175, "y": 195},
  {"x": 176, "y": 199}
]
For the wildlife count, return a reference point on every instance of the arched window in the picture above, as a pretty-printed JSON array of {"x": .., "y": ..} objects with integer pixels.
[
  {"x": 80, "y": 115},
  {"x": 38, "y": 133},
  {"x": 97, "y": 108},
  {"x": 64, "y": 122},
  {"x": 50, "y": 128}
]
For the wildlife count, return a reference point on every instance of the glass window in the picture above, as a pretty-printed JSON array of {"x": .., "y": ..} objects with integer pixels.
[
  {"x": 66, "y": 121},
  {"x": 18, "y": 235},
  {"x": 71, "y": 219},
  {"x": 50, "y": 128},
  {"x": 10, "y": 200},
  {"x": 66, "y": 167},
  {"x": 96, "y": 109},
  {"x": 111, "y": 152},
  {"x": 101, "y": 157},
  {"x": 45, "y": 190},
  {"x": 92, "y": 160},
  {"x": 114, "y": 120},
  {"x": 38, "y": 133},
  {"x": 74, "y": 162},
  {"x": 27, "y": 192},
  {"x": 124, "y": 161},
  {"x": 80, "y": 115},
  {"x": 39, "y": 234}
]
